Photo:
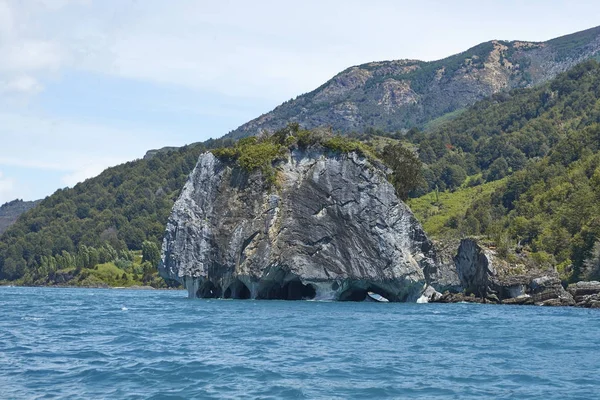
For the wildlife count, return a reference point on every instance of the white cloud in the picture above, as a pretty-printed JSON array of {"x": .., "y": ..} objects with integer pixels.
[
  {"x": 31, "y": 55},
  {"x": 24, "y": 84},
  {"x": 6, "y": 188},
  {"x": 81, "y": 150},
  {"x": 27, "y": 54}
]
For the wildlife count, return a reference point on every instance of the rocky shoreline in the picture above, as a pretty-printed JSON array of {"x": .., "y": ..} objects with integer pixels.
[
  {"x": 486, "y": 279},
  {"x": 99, "y": 286},
  {"x": 591, "y": 298}
]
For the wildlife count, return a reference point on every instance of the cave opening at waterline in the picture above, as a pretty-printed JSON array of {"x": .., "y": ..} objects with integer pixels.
[
  {"x": 291, "y": 290},
  {"x": 237, "y": 290},
  {"x": 209, "y": 290},
  {"x": 365, "y": 293},
  {"x": 296, "y": 290}
]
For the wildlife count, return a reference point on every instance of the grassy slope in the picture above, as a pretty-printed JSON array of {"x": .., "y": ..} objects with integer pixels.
[{"x": 436, "y": 211}]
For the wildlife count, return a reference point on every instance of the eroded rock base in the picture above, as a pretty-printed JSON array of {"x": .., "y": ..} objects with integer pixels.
[{"x": 290, "y": 287}]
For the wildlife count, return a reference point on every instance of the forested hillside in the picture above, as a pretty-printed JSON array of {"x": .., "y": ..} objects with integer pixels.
[
  {"x": 543, "y": 146},
  {"x": 104, "y": 219},
  {"x": 498, "y": 135}
]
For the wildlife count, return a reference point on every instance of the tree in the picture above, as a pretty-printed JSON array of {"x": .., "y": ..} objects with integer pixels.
[
  {"x": 453, "y": 176},
  {"x": 150, "y": 253},
  {"x": 591, "y": 265},
  {"x": 406, "y": 169},
  {"x": 498, "y": 170},
  {"x": 147, "y": 270}
]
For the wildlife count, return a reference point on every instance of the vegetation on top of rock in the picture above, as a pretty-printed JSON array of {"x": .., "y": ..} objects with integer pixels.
[{"x": 261, "y": 152}]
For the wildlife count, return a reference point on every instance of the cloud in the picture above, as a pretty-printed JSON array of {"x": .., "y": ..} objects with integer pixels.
[
  {"x": 24, "y": 84},
  {"x": 80, "y": 149},
  {"x": 6, "y": 188},
  {"x": 27, "y": 54},
  {"x": 23, "y": 55}
]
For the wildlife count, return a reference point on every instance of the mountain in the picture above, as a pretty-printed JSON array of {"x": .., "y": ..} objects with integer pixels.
[
  {"x": 9, "y": 212},
  {"x": 397, "y": 95}
]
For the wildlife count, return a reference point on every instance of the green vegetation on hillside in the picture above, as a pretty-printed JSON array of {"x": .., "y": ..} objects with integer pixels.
[
  {"x": 442, "y": 213},
  {"x": 540, "y": 151},
  {"x": 573, "y": 44},
  {"x": 91, "y": 267},
  {"x": 503, "y": 133},
  {"x": 120, "y": 209}
]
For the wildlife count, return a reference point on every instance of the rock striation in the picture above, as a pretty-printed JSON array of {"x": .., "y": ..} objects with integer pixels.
[{"x": 330, "y": 228}]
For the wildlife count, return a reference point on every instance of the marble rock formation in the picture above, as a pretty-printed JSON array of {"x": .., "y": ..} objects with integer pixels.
[{"x": 329, "y": 228}]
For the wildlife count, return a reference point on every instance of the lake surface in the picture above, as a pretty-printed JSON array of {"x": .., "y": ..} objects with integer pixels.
[{"x": 94, "y": 343}]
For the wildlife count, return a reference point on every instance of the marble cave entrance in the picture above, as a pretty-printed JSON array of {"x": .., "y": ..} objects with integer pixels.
[
  {"x": 209, "y": 290},
  {"x": 366, "y": 293},
  {"x": 291, "y": 290},
  {"x": 237, "y": 290}
]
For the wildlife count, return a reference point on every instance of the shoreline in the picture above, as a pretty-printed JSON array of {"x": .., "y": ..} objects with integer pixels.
[
  {"x": 447, "y": 298},
  {"x": 133, "y": 287}
]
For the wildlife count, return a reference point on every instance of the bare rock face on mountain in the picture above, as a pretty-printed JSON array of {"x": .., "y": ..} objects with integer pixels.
[
  {"x": 400, "y": 94},
  {"x": 9, "y": 212},
  {"x": 331, "y": 227}
]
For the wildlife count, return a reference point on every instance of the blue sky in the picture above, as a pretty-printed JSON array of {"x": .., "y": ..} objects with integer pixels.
[{"x": 88, "y": 84}]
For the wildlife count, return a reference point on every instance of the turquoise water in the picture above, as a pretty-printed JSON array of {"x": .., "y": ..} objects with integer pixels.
[{"x": 94, "y": 343}]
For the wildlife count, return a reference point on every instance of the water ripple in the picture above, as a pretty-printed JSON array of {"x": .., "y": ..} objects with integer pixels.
[{"x": 93, "y": 343}]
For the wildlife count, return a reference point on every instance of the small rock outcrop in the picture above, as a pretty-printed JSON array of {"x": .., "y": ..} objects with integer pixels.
[
  {"x": 585, "y": 294},
  {"x": 478, "y": 269},
  {"x": 475, "y": 268},
  {"x": 331, "y": 227}
]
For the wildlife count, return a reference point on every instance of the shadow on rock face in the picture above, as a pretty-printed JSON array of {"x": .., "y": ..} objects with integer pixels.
[
  {"x": 361, "y": 291},
  {"x": 209, "y": 290},
  {"x": 291, "y": 290},
  {"x": 237, "y": 290}
]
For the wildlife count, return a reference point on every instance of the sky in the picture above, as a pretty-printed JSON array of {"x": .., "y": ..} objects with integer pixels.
[{"x": 88, "y": 84}]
